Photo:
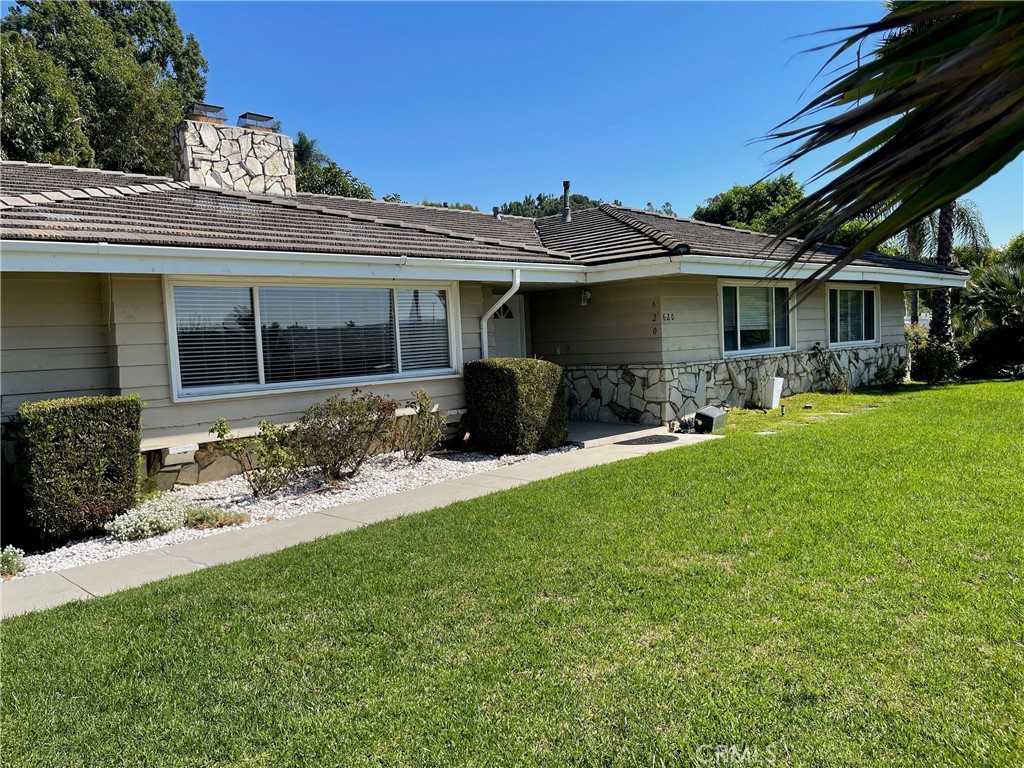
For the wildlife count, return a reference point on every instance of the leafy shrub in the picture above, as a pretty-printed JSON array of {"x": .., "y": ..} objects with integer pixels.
[
  {"x": 419, "y": 434},
  {"x": 934, "y": 362},
  {"x": 212, "y": 517},
  {"x": 268, "y": 462},
  {"x": 158, "y": 514},
  {"x": 12, "y": 562},
  {"x": 77, "y": 460},
  {"x": 917, "y": 337},
  {"x": 337, "y": 435},
  {"x": 516, "y": 405}
]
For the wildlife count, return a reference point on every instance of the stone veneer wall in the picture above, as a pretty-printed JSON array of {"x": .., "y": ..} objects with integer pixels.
[
  {"x": 230, "y": 157},
  {"x": 658, "y": 394}
]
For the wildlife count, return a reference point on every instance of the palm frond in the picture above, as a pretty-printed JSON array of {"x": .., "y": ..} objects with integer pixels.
[{"x": 942, "y": 99}]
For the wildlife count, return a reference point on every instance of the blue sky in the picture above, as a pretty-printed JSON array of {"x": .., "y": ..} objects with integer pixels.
[{"x": 486, "y": 102}]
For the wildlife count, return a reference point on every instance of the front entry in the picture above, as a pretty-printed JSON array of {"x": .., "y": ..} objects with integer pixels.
[{"x": 508, "y": 329}]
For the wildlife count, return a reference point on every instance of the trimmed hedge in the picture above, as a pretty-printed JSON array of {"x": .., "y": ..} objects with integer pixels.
[
  {"x": 516, "y": 405},
  {"x": 78, "y": 461}
]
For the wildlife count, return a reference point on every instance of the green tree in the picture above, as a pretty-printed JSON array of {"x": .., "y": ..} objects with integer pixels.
[
  {"x": 456, "y": 206},
  {"x": 329, "y": 179},
  {"x": 763, "y": 207},
  {"x": 130, "y": 69},
  {"x": 40, "y": 121},
  {"x": 308, "y": 152},
  {"x": 392, "y": 197},
  {"x": 666, "y": 208},
  {"x": 1013, "y": 253},
  {"x": 941, "y": 107},
  {"x": 546, "y": 205}
]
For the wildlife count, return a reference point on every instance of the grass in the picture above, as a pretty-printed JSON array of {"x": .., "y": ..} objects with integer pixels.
[{"x": 848, "y": 593}]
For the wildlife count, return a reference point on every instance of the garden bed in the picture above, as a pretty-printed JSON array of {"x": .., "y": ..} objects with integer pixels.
[{"x": 380, "y": 476}]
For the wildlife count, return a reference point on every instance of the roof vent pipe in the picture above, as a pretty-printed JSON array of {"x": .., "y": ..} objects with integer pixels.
[{"x": 566, "y": 213}]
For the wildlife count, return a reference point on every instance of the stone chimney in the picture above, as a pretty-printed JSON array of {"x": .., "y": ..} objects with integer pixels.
[{"x": 248, "y": 157}]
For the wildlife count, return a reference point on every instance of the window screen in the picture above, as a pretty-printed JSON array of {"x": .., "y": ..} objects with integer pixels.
[
  {"x": 729, "y": 319},
  {"x": 326, "y": 333},
  {"x": 755, "y": 318},
  {"x": 423, "y": 329},
  {"x": 851, "y": 315},
  {"x": 216, "y": 336}
]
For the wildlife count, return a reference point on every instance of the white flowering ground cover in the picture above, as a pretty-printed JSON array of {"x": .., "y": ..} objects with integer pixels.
[{"x": 380, "y": 476}]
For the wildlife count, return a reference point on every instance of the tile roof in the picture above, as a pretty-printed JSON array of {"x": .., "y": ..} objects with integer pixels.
[
  {"x": 617, "y": 233},
  {"x": 46, "y": 202},
  {"x": 515, "y": 229},
  {"x": 163, "y": 212}
]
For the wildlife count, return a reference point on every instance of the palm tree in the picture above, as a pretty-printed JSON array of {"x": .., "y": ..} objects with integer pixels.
[
  {"x": 308, "y": 152},
  {"x": 921, "y": 241},
  {"x": 942, "y": 104},
  {"x": 994, "y": 297}
]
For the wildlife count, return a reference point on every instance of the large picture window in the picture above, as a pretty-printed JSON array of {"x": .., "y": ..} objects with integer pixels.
[
  {"x": 755, "y": 318},
  {"x": 851, "y": 315},
  {"x": 242, "y": 338}
]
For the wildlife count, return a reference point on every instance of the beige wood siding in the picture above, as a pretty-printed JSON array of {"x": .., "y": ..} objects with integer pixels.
[
  {"x": 53, "y": 341},
  {"x": 893, "y": 312},
  {"x": 812, "y": 320},
  {"x": 690, "y": 327},
  {"x": 621, "y": 325},
  {"x": 143, "y": 366}
]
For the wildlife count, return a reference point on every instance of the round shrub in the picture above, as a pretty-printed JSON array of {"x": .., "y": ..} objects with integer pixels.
[
  {"x": 516, "y": 405},
  {"x": 934, "y": 362}
]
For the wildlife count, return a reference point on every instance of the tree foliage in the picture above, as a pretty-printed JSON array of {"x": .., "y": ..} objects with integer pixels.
[
  {"x": 764, "y": 207},
  {"x": 128, "y": 67},
  {"x": 1013, "y": 253},
  {"x": 941, "y": 104},
  {"x": 546, "y": 205},
  {"x": 665, "y": 208},
  {"x": 308, "y": 152},
  {"x": 329, "y": 179},
  {"x": 456, "y": 206},
  {"x": 40, "y": 121}
]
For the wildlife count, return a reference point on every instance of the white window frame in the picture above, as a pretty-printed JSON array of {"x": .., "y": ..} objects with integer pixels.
[
  {"x": 788, "y": 284},
  {"x": 875, "y": 342},
  {"x": 196, "y": 394}
]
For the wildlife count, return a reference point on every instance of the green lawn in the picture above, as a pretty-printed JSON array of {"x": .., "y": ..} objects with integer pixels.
[{"x": 845, "y": 593}]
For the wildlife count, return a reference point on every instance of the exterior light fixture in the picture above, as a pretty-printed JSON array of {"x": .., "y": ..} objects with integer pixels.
[{"x": 585, "y": 297}]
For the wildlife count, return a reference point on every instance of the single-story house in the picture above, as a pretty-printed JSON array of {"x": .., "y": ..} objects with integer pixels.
[{"x": 224, "y": 292}]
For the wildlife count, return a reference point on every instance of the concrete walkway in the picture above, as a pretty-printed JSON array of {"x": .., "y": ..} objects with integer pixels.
[{"x": 46, "y": 590}]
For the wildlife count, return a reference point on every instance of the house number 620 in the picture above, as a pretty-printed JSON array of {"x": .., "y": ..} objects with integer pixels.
[{"x": 668, "y": 315}]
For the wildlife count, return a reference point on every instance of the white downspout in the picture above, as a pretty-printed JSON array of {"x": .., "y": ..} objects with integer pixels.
[{"x": 484, "y": 352}]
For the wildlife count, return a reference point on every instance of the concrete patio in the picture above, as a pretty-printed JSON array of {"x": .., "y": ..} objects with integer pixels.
[{"x": 45, "y": 590}]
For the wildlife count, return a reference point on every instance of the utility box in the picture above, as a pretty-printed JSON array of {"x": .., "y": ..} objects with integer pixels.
[
  {"x": 709, "y": 419},
  {"x": 772, "y": 393}
]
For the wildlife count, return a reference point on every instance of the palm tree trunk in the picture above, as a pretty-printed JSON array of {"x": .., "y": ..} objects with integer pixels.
[
  {"x": 942, "y": 322},
  {"x": 915, "y": 307}
]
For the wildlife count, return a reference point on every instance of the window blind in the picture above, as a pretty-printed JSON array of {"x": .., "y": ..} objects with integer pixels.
[
  {"x": 216, "y": 336},
  {"x": 851, "y": 315},
  {"x": 781, "y": 304},
  {"x": 326, "y": 333},
  {"x": 755, "y": 318},
  {"x": 423, "y": 329}
]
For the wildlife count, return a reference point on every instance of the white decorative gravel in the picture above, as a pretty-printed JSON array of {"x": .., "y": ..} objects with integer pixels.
[{"x": 379, "y": 476}]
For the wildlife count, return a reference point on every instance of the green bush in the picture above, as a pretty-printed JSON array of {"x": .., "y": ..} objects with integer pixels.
[
  {"x": 516, "y": 405},
  {"x": 77, "y": 460},
  {"x": 934, "y": 362},
  {"x": 160, "y": 513},
  {"x": 917, "y": 337},
  {"x": 12, "y": 562},
  {"x": 268, "y": 462},
  {"x": 337, "y": 435},
  {"x": 420, "y": 433}
]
